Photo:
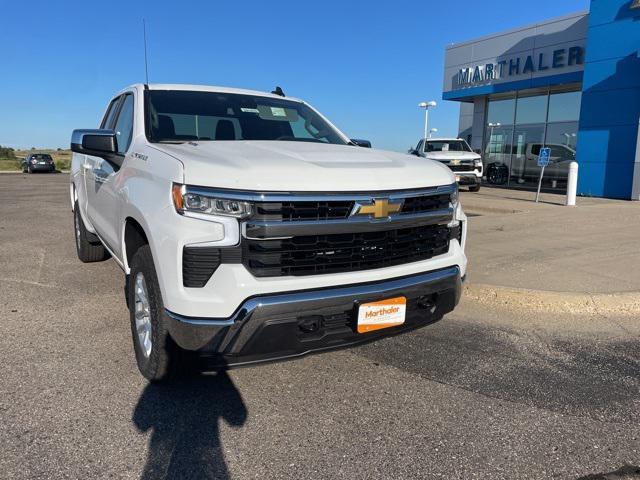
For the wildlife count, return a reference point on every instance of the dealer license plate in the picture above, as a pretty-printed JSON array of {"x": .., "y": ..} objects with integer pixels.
[{"x": 383, "y": 314}]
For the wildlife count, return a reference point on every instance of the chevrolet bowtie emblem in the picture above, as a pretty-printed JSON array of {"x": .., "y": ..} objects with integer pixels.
[
  {"x": 379, "y": 208},
  {"x": 455, "y": 162}
]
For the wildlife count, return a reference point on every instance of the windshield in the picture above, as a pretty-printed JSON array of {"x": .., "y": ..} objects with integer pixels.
[
  {"x": 447, "y": 146},
  {"x": 179, "y": 116},
  {"x": 40, "y": 156}
]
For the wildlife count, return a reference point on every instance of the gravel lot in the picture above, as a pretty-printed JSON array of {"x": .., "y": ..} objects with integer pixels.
[{"x": 481, "y": 394}]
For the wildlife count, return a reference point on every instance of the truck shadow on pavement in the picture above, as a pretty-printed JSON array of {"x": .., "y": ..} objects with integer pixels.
[
  {"x": 628, "y": 472},
  {"x": 184, "y": 422}
]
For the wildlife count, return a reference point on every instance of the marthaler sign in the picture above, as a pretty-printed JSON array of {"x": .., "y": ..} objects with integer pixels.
[{"x": 522, "y": 65}]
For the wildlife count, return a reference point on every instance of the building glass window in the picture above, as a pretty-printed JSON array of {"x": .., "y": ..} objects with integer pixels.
[
  {"x": 527, "y": 141},
  {"x": 561, "y": 139},
  {"x": 497, "y": 156},
  {"x": 531, "y": 110},
  {"x": 501, "y": 111},
  {"x": 511, "y": 150},
  {"x": 564, "y": 107}
]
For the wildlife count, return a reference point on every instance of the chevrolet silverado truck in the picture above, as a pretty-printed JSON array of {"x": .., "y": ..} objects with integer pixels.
[
  {"x": 457, "y": 155},
  {"x": 249, "y": 228}
]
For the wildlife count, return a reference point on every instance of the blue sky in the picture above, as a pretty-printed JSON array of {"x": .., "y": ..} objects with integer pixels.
[{"x": 365, "y": 65}]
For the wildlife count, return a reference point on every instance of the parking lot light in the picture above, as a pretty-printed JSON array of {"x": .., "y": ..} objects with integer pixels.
[{"x": 426, "y": 106}]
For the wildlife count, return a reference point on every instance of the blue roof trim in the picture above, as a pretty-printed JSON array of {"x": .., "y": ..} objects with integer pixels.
[{"x": 464, "y": 93}]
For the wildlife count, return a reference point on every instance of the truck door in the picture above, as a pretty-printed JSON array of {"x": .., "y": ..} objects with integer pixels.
[{"x": 102, "y": 178}]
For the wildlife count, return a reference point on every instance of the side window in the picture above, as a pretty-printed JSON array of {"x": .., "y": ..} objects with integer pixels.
[
  {"x": 107, "y": 121},
  {"x": 124, "y": 124}
]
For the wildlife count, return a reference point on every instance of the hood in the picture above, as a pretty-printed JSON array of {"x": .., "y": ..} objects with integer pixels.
[
  {"x": 303, "y": 167},
  {"x": 447, "y": 156}
]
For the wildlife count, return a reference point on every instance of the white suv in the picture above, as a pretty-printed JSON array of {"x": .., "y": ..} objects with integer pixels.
[{"x": 250, "y": 228}]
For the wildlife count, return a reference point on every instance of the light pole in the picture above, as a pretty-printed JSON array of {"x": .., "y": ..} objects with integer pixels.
[
  {"x": 433, "y": 130},
  {"x": 492, "y": 126},
  {"x": 426, "y": 106}
]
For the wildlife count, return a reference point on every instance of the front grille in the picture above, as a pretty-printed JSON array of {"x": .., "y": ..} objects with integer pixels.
[
  {"x": 307, "y": 210},
  {"x": 319, "y": 254},
  {"x": 461, "y": 168},
  {"x": 426, "y": 203},
  {"x": 303, "y": 210}
]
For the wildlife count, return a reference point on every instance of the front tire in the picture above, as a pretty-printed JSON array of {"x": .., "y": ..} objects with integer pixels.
[
  {"x": 474, "y": 188},
  {"x": 158, "y": 357},
  {"x": 88, "y": 247}
]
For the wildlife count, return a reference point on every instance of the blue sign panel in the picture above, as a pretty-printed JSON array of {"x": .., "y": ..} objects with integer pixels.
[{"x": 545, "y": 157}]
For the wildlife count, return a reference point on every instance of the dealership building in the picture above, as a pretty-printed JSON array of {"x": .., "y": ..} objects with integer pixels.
[{"x": 571, "y": 84}]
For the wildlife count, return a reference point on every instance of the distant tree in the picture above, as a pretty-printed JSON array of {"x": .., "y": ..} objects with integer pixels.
[
  {"x": 7, "y": 153},
  {"x": 33, "y": 148},
  {"x": 58, "y": 149}
]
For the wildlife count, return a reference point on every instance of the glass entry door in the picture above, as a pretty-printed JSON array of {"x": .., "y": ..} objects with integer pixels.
[
  {"x": 527, "y": 142},
  {"x": 497, "y": 157}
]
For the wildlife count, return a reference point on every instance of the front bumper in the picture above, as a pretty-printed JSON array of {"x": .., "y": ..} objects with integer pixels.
[
  {"x": 285, "y": 325},
  {"x": 42, "y": 168},
  {"x": 468, "y": 178}
]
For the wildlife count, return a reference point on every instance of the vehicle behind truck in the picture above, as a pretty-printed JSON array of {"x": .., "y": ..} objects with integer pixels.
[
  {"x": 249, "y": 228},
  {"x": 457, "y": 155}
]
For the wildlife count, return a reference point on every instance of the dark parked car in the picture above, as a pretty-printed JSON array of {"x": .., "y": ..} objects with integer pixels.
[{"x": 38, "y": 162}]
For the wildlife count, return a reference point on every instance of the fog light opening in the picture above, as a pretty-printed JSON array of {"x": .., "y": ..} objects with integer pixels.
[
  {"x": 309, "y": 324},
  {"x": 428, "y": 302}
]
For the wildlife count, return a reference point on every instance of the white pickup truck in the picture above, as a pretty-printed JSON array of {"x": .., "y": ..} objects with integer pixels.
[
  {"x": 249, "y": 228},
  {"x": 457, "y": 155}
]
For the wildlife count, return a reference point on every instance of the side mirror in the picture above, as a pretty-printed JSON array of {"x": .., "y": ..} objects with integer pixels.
[
  {"x": 361, "y": 143},
  {"x": 97, "y": 143},
  {"x": 413, "y": 151}
]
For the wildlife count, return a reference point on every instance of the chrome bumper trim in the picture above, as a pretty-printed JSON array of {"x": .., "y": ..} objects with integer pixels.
[
  {"x": 265, "y": 230},
  {"x": 363, "y": 289}
]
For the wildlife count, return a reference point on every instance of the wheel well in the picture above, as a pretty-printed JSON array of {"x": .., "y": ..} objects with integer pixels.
[{"x": 134, "y": 238}]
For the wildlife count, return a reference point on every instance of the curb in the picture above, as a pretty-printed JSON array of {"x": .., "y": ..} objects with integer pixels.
[
  {"x": 573, "y": 303},
  {"x": 481, "y": 210}
]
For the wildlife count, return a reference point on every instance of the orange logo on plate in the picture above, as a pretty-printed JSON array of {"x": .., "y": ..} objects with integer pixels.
[{"x": 384, "y": 314}]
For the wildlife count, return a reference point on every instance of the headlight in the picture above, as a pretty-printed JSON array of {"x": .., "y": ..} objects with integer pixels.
[
  {"x": 453, "y": 197},
  {"x": 186, "y": 201},
  {"x": 477, "y": 162}
]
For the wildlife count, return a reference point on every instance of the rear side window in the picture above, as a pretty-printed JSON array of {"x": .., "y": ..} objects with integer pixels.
[
  {"x": 124, "y": 124},
  {"x": 107, "y": 121}
]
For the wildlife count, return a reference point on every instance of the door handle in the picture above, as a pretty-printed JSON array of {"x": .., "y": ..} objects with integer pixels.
[{"x": 87, "y": 166}]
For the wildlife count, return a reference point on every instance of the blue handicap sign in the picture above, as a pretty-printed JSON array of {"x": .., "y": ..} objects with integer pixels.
[{"x": 545, "y": 157}]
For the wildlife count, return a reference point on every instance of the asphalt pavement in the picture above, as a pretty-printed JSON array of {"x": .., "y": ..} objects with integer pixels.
[{"x": 482, "y": 394}]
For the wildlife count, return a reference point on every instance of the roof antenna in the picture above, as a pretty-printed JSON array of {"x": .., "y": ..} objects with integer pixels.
[
  {"x": 278, "y": 91},
  {"x": 144, "y": 33}
]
